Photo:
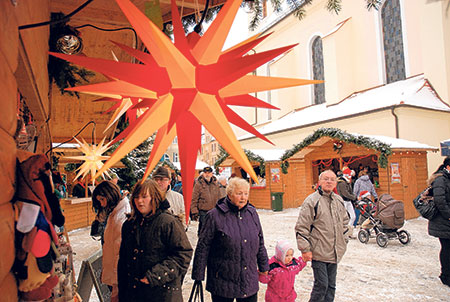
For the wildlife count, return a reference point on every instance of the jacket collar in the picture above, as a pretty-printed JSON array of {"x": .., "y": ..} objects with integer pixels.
[
  {"x": 225, "y": 206},
  {"x": 163, "y": 206}
]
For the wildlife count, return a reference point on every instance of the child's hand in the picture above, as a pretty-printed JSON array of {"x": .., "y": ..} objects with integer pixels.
[
  {"x": 144, "y": 280},
  {"x": 263, "y": 273},
  {"x": 307, "y": 256}
]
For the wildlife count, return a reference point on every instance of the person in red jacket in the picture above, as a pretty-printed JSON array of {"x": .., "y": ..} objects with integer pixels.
[{"x": 281, "y": 277}]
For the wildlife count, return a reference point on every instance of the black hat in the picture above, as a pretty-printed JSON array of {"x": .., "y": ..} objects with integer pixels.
[
  {"x": 207, "y": 169},
  {"x": 161, "y": 172}
]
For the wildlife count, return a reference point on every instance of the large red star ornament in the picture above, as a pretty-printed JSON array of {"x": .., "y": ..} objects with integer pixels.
[{"x": 184, "y": 85}]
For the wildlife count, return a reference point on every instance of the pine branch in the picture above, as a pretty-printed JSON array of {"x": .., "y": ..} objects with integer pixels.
[
  {"x": 334, "y": 5},
  {"x": 375, "y": 4}
]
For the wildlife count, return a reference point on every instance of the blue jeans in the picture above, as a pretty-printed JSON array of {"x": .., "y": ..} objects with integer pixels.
[
  {"x": 324, "y": 281},
  {"x": 358, "y": 213}
]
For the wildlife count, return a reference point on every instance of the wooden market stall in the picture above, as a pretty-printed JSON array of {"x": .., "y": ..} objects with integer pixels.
[
  {"x": 266, "y": 164},
  {"x": 398, "y": 167}
]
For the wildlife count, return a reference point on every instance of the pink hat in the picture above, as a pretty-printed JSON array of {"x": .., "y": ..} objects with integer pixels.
[
  {"x": 364, "y": 194},
  {"x": 282, "y": 247}
]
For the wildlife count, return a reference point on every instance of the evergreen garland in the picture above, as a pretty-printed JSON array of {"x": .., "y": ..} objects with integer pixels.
[
  {"x": 252, "y": 157},
  {"x": 360, "y": 140}
]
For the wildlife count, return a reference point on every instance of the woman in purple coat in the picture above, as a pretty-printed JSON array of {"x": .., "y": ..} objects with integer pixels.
[{"x": 231, "y": 245}]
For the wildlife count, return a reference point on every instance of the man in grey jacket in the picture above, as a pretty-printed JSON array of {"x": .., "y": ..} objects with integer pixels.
[{"x": 322, "y": 235}]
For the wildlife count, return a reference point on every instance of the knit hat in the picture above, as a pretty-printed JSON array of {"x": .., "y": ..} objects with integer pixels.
[
  {"x": 283, "y": 246},
  {"x": 364, "y": 194},
  {"x": 161, "y": 172}
]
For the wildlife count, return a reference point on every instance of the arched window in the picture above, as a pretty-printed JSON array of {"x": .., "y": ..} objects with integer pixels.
[
  {"x": 394, "y": 57},
  {"x": 318, "y": 71}
]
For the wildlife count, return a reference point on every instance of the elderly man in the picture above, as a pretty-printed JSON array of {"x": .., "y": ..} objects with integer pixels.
[
  {"x": 175, "y": 199},
  {"x": 321, "y": 232},
  {"x": 204, "y": 196}
]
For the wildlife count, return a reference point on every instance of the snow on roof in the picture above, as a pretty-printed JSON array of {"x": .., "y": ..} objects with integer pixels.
[
  {"x": 398, "y": 143},
  {"x": 269, "y": 154},
  {"x": 414, "y": 91}
]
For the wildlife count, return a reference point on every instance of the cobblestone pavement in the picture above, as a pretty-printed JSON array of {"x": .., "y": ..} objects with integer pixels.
[{"x": 367, "y": 272}]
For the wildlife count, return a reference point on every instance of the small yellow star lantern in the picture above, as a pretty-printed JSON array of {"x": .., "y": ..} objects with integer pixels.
[
  {"x": 186, "y": 84},
  {"x": 93, "y": 159}
]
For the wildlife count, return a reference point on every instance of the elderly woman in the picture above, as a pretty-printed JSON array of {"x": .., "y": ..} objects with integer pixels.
[
  {"x": 231, "y": 244},
  {"x": 155, "y": 251},
  {"x": 112, "y": 209}
]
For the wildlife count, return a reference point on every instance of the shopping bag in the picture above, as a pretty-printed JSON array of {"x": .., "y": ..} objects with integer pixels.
[{"x": 197, "y": 292}]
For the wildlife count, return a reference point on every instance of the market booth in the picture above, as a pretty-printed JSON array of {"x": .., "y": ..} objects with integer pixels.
[
  {"x": 268, "y": 194},
  {"x": 397, "y": 166}
]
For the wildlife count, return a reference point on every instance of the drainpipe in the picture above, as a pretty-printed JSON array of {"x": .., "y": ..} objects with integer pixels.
[{"x": 396, "y": 122}]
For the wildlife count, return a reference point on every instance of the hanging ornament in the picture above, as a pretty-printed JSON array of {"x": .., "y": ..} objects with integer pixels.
[
  {"x": 93, "y": 159},
  {"x": 337, "y": 146},
  {"x": 194, "y": 82}
]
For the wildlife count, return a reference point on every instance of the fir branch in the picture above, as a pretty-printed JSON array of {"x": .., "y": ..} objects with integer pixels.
[
  {"x": 375, "y": 4},
  {"x": 252, "y": 157},
  {"x": 257, "y": 15},
  {"x": 334, "y": 5},
  {"x": 276, "y": 4}
]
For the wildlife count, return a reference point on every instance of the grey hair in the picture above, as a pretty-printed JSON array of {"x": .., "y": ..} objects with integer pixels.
[
  {"x": 236, "y": 182},
  {"x": 221, "y": 177},
  {"x": 326, "y": 171}
]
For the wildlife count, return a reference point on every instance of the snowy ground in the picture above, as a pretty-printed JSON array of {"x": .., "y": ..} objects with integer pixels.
[{"x": 366, "y": 273}]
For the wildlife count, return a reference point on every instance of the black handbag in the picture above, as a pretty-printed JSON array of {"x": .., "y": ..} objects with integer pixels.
[
  {"x": 196, "y": 292},
  {"x": 424, "y": 204}
]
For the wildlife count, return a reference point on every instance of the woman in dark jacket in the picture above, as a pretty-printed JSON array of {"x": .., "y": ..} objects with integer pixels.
[
  {"x": 439, "y": 226},
  {"x": 231, "y": 245},
  {"x": 155, "y": 252}
]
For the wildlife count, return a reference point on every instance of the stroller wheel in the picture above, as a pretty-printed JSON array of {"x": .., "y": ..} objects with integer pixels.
[
  {"x": 404, "y": 237},
  {"x": 363, "y": 236},
  {"x": 382, "y": 239}
]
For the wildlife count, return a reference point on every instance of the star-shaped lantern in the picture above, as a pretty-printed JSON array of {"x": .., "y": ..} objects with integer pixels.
[
  {"x": 184, "y": 85},
  {"x": 93, "y": 159}
]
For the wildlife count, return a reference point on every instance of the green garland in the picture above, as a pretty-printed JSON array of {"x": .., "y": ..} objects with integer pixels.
[
  {"x": 252, "y": 157},
  {"x": 369, "y": 143}
]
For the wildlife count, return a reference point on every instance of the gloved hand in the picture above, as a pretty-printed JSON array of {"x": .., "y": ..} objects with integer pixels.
[{"x": 194, "y": 217}]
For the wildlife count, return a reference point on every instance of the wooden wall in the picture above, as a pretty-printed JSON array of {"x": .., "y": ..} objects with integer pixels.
[
  {"x": 8, "y": 87},
  {"x": 24, "y": 58},
  {"x": 413, "y": 178},
  {"x": 78, "y": 213}
]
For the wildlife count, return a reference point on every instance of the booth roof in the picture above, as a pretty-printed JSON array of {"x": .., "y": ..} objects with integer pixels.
[
  {"x": 269, "y": 154},
  {"x": 415, "y": 91},
  {"x": 398, "y": 143},
  {"x": 199, "y": 165}
]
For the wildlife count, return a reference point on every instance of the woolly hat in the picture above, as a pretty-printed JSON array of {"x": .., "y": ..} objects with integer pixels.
[
  {"x": 283, "y": 246},
  {"x": 161, "y": 172},
  {"x": 364, "y": 194}
]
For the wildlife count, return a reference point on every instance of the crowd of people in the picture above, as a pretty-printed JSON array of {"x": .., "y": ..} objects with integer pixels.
[{"x": 146, "y": 253}]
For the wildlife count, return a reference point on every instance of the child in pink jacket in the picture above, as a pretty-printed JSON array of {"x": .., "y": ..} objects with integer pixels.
[{"x": 281, "y": 277}]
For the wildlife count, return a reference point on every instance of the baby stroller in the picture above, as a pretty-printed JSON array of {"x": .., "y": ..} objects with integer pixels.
[{"x": 384, "y": 218}]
